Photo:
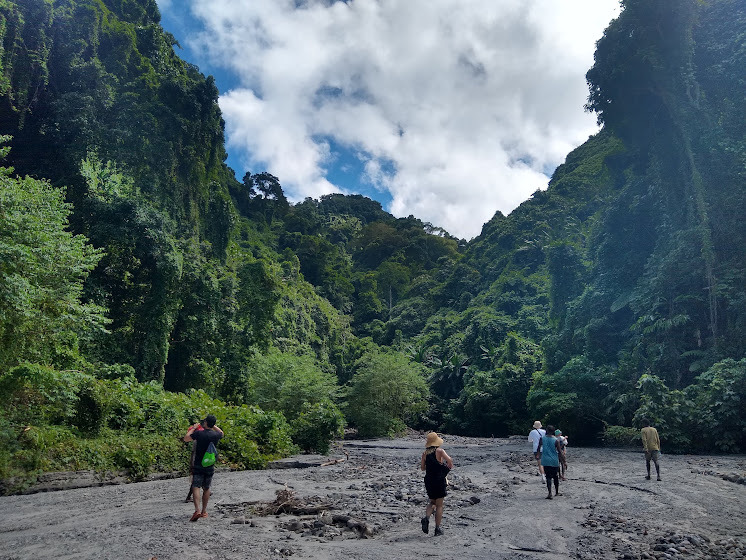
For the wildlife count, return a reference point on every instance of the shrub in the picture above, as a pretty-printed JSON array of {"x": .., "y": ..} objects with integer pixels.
[
  {"x": 283, "y": 382},
  {"x": 386, "y": 391},
  {"x": 91, "y": 407},
  {"x": 621, "y": 436},
  {"x": 317, "y": 426}
]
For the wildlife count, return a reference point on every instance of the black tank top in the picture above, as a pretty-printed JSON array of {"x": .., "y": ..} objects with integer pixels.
[{"x": 433, "y": 468}]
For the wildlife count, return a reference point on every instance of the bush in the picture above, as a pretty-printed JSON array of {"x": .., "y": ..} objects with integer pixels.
[
  {"x": 670, "y": 412},
  {"x": 386, "y": 391},
  {"x": 92, "y": 407},
  {"x": 284, "y": 382},
  {"x": 621, "y": 436},
  {"x": 317, "y": 426},
  {"x": 719, "y": 397},
  {"x": 51, "y": 420}
]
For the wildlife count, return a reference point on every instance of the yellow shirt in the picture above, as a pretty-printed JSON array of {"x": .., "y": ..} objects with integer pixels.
[{"x": 650, "y": 440}]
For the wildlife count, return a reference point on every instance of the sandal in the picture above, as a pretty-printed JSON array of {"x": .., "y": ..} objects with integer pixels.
[{"x": 196, "y": 515}]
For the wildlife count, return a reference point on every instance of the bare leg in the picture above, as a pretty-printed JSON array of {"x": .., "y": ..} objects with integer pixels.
[
  {"x": 196, "y": 498},
  {"x": 430, "y": 509},
  {"x": 205, "y": 498},
  {"x": 438, "y": 512}
]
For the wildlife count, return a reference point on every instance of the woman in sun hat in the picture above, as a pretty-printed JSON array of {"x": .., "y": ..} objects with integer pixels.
[{"x": 436, "y": 463}]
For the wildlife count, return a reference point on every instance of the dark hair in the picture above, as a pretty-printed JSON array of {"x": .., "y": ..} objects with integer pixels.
[
  {"x": 645, "y": 422},
  {"x": 210, "y": 420},
  {"x": 550, "y": 430}
]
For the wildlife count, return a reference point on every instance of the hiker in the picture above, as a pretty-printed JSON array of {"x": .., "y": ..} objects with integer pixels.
[
  {"x": 651, "y": 444},
  {"x": 549, "y": 448},
  {"x": 436, "y": 463},
  {"x": 534, "y": 436},
  {"x": 202, "y": 476},
  {"x": 197, "y": 427},
  {"x": 562, "y": 454}
]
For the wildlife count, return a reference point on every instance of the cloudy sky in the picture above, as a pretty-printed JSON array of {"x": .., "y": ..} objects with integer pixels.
[{"x": 449, "y": 110}]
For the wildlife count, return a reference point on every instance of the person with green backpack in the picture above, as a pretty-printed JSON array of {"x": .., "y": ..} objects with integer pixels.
[{"x": 205, "y": 457}]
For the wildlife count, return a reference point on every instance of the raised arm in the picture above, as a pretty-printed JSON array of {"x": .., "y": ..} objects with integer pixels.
[{"x": 190, "y": 431}]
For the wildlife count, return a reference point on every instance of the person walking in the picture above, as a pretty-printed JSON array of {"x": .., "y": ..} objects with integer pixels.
[
  {"x": 197, "y": 426},
  {"x": 549, "y": 448},
  {"x": 534, "y": 436},
  {"x": 562, "y": 439},
  {"x": 202, "y": 476},
  {"x": 651, "y": 444},
  {"x": 437, "y": 464}
]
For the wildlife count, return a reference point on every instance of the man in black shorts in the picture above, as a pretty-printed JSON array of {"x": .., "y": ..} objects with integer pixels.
[{"x": 202, "y": 476}]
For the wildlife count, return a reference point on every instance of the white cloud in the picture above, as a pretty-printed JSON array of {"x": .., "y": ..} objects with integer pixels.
[{"x": 465, "y": 103}]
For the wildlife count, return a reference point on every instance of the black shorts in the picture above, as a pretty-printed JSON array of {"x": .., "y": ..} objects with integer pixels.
[
  {"x": 550, "y": 471},
  {"x": 202, "y": 478}
]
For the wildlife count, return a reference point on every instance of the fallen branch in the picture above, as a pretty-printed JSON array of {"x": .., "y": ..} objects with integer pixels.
[
  {"x": 619, "y": 484},
  {"x": 526, "y": 548},
  {"x": 333, "y": 462}
]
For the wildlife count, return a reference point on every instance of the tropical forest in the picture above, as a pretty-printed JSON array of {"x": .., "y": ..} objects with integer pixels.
[{"x": 144, "y": 285}]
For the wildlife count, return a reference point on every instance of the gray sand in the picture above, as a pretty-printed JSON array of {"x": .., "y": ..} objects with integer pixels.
[{"x": 496, "y": 508}]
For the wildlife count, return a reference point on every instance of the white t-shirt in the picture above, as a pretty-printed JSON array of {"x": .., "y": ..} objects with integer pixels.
[{"x": 535, "y": 435}]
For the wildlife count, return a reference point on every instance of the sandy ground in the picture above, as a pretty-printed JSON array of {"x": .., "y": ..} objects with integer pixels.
[{"x": 369, "y": 507}]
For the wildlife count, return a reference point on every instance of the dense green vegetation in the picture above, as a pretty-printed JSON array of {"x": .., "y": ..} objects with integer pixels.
[{"x": 142, "y": 285}]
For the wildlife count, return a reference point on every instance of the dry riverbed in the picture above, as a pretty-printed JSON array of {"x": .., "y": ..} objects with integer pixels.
[{"x": 368, "y": 503}]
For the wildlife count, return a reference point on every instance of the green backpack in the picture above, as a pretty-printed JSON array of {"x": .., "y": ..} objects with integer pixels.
[{"x": 210, "y": 456}]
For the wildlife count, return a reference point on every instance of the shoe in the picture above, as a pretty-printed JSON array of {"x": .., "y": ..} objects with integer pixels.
[
  {"x": 438, "y": 531},
  {"x": 196, "y": 515},
  {"x": 647, "y": 477},
  {"x": 425, "y": 525},
  {"x": 659, "y": 479},
  {"x": 549, "y": 497}
]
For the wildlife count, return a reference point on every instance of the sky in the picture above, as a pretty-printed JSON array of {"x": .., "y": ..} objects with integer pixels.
[{"x": 448, "y": 110}]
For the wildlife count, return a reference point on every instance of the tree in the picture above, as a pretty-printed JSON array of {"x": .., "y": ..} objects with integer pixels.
[
  {"x": 386, "y": 392},
  {"x": 42, "y": 269}
]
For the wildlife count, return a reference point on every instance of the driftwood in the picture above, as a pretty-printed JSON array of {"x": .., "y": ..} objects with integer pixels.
[
  {"x": 526, "y": 548},
  {"x": 624, "y": 486},
  {"x": 335, "y": 461},
  {"x": 288, "y": 502}
]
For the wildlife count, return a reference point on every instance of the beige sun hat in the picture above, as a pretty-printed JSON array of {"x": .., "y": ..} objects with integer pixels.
[
  {"x": 537, "y": 425},
  {"x": 433, "y": 440}
]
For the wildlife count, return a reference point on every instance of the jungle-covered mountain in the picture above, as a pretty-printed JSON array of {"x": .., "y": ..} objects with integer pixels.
[{"x": 142, "y": 285}]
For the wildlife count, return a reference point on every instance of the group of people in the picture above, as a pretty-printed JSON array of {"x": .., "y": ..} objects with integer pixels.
[
  {"x": 550, "y": 452},
  {"x": 549, "y": 449}
]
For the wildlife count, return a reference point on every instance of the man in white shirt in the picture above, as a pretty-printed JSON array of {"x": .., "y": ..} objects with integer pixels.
[{"x": 534, "y": 436}]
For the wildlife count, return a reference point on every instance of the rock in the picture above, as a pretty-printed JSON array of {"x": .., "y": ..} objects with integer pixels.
[
  {"x": 239, "y": 520},
  {"x": 295, "y": 525},
  {"x": 474, "y": 500}
]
